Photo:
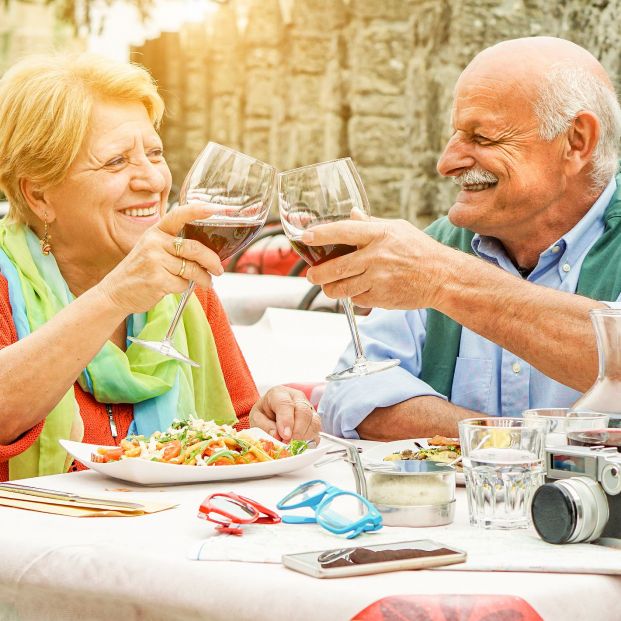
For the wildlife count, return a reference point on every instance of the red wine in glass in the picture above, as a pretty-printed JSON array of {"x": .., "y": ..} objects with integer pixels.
[
  {"x": 238, "y": 189},
  {"x": 225, "y": 238},
  {"x": 316, "y": 255},
  {"x": 320, "y": 194}
]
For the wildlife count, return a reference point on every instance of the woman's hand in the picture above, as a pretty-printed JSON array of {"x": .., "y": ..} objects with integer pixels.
[
  {"x": 286, "y": 414},
  {"x": 156, "y": 266}
]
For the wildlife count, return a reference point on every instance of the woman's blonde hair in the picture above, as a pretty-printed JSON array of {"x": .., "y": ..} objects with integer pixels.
[{"x": 45, "y": 109}]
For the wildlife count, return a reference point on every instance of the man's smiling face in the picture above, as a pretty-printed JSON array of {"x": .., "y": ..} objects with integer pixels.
[{"x": 508, "y": 175}]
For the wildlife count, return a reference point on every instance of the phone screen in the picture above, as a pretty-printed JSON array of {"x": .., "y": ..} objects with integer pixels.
[
  {"x": 362, "y": 559},
  {"x": 404, "y": 550}
]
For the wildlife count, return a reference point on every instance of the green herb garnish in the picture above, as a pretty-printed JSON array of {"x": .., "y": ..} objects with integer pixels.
[
  {"x": 224, "y": 454},
  {"x": 297, "y": 446}
]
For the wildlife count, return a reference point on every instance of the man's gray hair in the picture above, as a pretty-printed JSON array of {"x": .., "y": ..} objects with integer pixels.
[{"x": 563, "y": 93}]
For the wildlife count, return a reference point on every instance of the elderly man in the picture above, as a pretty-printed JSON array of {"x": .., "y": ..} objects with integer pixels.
[{"x": 498, "y": 293}]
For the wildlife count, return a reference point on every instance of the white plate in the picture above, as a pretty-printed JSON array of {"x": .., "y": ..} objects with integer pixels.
[
  {"x": 147, "y": 472},
  {"x": 383, "y": 449}
]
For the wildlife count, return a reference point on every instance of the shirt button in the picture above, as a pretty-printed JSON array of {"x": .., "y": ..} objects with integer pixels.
[
  {"x": 517, "y": 367},
  {"x": 556, "y": 249},
  {"x": 566, "y": 267}
]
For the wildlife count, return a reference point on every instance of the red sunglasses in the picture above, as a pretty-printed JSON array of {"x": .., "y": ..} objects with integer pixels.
[{"x": 228, "y": 508}]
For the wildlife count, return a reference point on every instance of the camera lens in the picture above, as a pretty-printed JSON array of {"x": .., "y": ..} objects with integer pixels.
[{"x": 570, "y": 510}]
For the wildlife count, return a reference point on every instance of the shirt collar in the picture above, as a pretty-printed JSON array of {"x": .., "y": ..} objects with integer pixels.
[{"x": 570, "y": 246}]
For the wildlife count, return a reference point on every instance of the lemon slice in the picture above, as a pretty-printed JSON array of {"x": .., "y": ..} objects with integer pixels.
[{"x": 499, "y": 438}]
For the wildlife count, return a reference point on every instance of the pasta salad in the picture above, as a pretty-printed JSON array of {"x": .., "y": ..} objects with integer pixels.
[{"x": 197, "y": 442}]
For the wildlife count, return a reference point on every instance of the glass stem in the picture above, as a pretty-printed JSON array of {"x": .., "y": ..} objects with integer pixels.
[
  {"x": 182, "y": 302},
  {"x": 348, "y": 307}
]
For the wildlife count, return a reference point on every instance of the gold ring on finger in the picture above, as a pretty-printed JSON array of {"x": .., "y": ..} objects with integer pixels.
[
  {"x": 182, "y": 270},
  {"x": 178, "y": 243}
]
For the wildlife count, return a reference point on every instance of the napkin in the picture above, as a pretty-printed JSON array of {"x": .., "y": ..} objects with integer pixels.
[
  {"x": 78, "y": 507},
  {"x": 488, "y": 550},
  {"x": 263, "y": 543}
]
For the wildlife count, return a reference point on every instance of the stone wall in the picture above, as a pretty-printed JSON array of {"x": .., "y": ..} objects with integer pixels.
[
  {"x": 368, "y": 78},
  {"x": 29, "y": 28},
  {"x": 25, "y": 29}
]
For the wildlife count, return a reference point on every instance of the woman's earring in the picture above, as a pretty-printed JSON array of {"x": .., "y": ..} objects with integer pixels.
[{"x": 46, "y": 240}]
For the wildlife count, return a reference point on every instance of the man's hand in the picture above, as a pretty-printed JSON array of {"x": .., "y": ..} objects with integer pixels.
[
  {"x": 396, "y": 265},
  {"x": 286, "y": 414}
]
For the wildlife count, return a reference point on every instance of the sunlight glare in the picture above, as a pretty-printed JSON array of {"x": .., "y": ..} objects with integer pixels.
[{"x": 122, "y": 27}]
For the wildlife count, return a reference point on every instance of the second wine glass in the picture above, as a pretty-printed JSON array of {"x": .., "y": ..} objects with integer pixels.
[
  {"x": 318, "y": 194},
  {"x": 238, "y": 189}
]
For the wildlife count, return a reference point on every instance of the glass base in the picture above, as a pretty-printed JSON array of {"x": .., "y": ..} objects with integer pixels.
[
  {"x": 360, "y": 369},
  {"x": 165, "y": 348},
  {"x": 500, "y": 524}
]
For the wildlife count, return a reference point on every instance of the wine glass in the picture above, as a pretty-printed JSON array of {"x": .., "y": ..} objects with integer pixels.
[
  {"x": 318, "y": 194},
  {"x": 239, "y": 188}
]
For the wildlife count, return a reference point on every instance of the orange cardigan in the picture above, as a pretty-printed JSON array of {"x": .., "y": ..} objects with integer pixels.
[{"x": 97, "y": 424}]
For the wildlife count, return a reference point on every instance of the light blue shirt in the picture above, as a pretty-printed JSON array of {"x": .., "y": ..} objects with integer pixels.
[{"x": 488, "y": 378}]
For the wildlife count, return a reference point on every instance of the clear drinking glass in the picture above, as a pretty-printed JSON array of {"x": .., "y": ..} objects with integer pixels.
[
  {"x": 318, "y": 194},
  {"x": 559, "y": 421},
  {"x": 239, "y": 190},
  {"x": 503, "y": 462}
]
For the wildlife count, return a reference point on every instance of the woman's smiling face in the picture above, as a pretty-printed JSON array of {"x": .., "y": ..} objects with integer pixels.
[{"x": 116, "y": 188}]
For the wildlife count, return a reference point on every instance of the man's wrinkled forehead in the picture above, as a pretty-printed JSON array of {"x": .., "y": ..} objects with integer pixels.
[{"x": 489, "y": 96}]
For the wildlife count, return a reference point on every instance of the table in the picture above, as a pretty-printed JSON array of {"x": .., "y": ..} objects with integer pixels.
[
  {"x": 291, "y": 346},
  {"x": 60, "y": 568},
  {"x": 246, "y": 296}
]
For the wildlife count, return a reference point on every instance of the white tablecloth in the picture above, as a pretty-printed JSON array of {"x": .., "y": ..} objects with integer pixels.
[
  {"x": 287, "y": 346},
  {"x": 246, "y": 296},
  {"x": 61, "y": 568}
]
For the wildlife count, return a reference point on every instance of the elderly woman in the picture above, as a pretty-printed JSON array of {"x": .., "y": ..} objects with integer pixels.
[{"x": 87, "y": 258}]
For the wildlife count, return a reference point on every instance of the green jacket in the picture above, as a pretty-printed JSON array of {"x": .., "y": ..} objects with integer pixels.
[{"x": 600, "y": 279}]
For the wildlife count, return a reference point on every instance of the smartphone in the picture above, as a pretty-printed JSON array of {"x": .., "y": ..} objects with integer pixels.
[{"x": 373, "y": 559}]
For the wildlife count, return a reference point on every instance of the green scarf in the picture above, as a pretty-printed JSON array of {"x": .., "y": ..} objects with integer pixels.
[{"x": 161, "y": 388}]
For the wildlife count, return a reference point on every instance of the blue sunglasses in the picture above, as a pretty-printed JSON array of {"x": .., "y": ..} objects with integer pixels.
[{"x": 337, "y": 510}]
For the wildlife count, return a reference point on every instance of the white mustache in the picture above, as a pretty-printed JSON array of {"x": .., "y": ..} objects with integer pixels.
[{"x": 475, "y": 176}]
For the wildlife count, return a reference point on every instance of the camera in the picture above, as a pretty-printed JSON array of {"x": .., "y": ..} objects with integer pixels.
[{"x": 581, "y": 501}]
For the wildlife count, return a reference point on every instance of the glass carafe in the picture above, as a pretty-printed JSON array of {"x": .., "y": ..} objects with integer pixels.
[{"x": 605, "y": 395}]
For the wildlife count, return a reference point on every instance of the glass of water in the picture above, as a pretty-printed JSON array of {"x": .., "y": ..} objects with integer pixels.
[{"x": 503, "y": 461}]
